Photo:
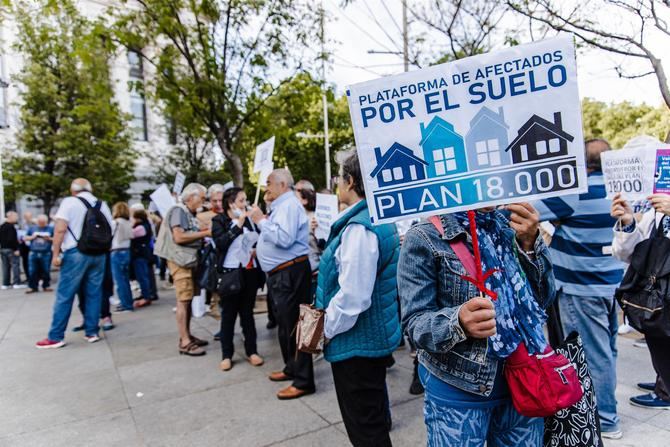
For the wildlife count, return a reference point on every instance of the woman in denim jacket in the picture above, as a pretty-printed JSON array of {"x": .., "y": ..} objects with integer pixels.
[{"x": 462, "y": 337}]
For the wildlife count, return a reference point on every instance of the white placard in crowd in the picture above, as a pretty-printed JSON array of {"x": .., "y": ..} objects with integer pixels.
[
  {"x": 629, "y": 172},
  {"x": 496, "y": 128},
  {"x": 263, "y": 157},
  {"x": 326, "y": 211},
  {"x": 179, "y": 180},
  {"x": 265, "y": 173},
  {"x": 163, "y": 199},
  {"x": 228, "y": 185}
]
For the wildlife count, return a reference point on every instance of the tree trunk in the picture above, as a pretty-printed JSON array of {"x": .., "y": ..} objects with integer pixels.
[
  {"x": 236, "y": 166},
  {"x": 661, "y": 77}
]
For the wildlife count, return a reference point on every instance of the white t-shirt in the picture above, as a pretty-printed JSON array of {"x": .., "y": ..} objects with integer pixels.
[{"x": 73, "y": 212}]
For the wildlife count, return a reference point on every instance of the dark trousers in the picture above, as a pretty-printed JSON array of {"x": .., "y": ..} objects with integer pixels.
[
  {"x": 289, "y": 288},
  {"x": 241, "y": 304},
  {"x": 24, "y": 251},
  {"x": 659, "y": 348},
  {"x": 360, "y": 385}
]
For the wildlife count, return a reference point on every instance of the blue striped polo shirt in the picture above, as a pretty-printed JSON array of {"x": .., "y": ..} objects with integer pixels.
[{"x": 581, "y": 248}]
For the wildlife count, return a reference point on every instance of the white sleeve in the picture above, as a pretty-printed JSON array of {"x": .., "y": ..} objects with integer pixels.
[
  {"x": 358, "y": 256},
  {"x": 106, "y": 212},
  {"x": 65, "y": 209},
  {"x": 624, "y": 243}
]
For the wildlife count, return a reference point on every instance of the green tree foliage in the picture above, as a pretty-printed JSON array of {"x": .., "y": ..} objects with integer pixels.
[
  {"x": 619, "y": 122},
  {"x": 219, "y": 61},
  {"x": 297, "y": 107},
  {"x": 70, "y": 124}
]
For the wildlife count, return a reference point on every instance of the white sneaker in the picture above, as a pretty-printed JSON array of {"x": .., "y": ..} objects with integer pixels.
[
  {"x": 92, "y": 338},
  {"x": 618, "y": 434},
  {"x": 625, "y": 329},
  {"x": 20, "y": 286},
  {"x": 5, "y": 287}
]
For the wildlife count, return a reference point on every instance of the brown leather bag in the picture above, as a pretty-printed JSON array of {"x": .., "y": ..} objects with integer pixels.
[{"x": 309, "y": 331}]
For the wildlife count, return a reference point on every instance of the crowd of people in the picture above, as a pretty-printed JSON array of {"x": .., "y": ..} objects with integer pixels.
[{"x": 380, "y": 286}]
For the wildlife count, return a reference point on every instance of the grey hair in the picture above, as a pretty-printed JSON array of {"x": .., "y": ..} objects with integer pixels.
[
  {"x": 304, "y": 184},
  {"x": 283, "y": 176},
  {"x": 81, "y": 185},
  {"x": 191, "y": 190},
  {"x": 215, "y": 189},
  {"x": 43, "y": 216}
]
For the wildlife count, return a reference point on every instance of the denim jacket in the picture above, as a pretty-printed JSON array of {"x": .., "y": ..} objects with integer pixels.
[{"x": 432, "y": 291}]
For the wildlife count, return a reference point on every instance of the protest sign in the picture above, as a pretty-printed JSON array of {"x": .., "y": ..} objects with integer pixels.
[
  {"x": 629, "y": 172},
  {"x": 491, "y": 129},
  {"x": 263, "y": 180},
  {"x": 163, "y": 199},
  {"x": 179, "y": 180},
  {"x": 662, "y": 172},
  {"x": 326, "y": 211},
  {"x": 228, "y": 185},
  {"x": 263, "y": 157}
]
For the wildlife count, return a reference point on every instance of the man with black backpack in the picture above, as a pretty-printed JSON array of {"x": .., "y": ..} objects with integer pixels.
[{"x": 83, "y": 236}]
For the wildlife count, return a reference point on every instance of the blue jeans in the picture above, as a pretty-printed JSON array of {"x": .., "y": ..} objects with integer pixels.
[
  {"x": 595, "y": 318},
  {"x": 497, "y": 426},
  {"x": 120, "y": 260},
  {"x": 143, "y": 271},
  {"x": 39, "y": 268},
  {"x": 78, "y": 270}
]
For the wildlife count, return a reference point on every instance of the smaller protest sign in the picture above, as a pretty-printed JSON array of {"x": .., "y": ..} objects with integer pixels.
[
  {"x": 228, "y": 185},
  {"x": 263, "y": 180},
  {"x": 629, "y": 172},
  {"x": 179, "y": 180},
  {"x": 163, "y": 199},
  {"x": 263, "y": 157},
  {"x": 326, "y": 211},
  {"x": 662, "y": 172}
]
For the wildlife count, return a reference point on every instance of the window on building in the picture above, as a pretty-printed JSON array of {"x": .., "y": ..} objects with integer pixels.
[
  {"x": 397, "y": 173},
  {"x": 389, "y": 175},
  {"x": 138, "y": 105},
  {"x": 523, "y": 149},
  {"x": 445, "y": 160},
  {"x": 541, "y": 147},
  {"x": 488, "y": 152},
  {"x": 3, "y": 95},
  {"x": 554, "y": 145}
]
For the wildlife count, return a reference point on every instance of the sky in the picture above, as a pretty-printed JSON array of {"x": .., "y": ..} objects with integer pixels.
[{"x": 368, "y": 25}]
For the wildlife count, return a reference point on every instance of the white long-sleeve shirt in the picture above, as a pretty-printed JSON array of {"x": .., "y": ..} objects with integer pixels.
[
  {"x": 356, "y": 260},
  {"x": 624, "y": 243}
]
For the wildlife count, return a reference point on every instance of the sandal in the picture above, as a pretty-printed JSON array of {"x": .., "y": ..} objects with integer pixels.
[
  {"x": 198, "y": 341},
  {"x": 191, "y": 349}
]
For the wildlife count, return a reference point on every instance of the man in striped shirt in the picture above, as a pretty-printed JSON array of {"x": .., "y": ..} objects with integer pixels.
[{"x": 586, "y": 277}]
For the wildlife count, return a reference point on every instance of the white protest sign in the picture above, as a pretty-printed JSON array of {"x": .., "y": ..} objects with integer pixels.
[
  {"x": 265, "y": 173},
  {"x": 326, "y": 211},
  {"x": 491, "y": 129},
  {"x": 163, "y": 199},
  {"x": 179, "y": 180},
  {"x": 263, "y": 157},
  {"x": 629, "y": 172},
  {"x": 228, "y": 185}
]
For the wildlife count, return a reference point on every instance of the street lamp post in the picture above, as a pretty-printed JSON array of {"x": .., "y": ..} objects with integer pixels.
[{"x": 4, "y": 85}]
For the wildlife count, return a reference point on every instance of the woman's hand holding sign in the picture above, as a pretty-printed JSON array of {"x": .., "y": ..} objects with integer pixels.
[
  {"x": 477, "y": 318},
  {"x": 621, "y": 210},
  {"x": 525, "y": 221},
  {"x": 661, "y": 203}
]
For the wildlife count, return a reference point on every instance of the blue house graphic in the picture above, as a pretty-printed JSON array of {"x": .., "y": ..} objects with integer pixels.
[
  {"x": 443, "y": 148},
  {"x": 487, "y": 140},
  {"x": 398, "y": 165}
]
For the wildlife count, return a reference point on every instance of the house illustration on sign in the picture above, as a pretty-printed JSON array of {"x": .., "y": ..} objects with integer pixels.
[
  {"x": 398, "y": 165},
  {"x": 443, "y": 148},
  {"x": 538, "y": 139},
  {"x": 487, "y": 139}
]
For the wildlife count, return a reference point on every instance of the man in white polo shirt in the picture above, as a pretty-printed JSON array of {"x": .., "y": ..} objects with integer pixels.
[{"x": 78, "y": 269}]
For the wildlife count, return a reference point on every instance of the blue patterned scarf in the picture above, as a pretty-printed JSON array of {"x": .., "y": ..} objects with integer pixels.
[{"x": 519, "y": 318}]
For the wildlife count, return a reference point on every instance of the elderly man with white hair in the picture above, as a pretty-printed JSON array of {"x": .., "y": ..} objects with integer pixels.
[
  {"x": 82, "y": 266},
  {"x": 39, "y": 258},
  {"x": 178, "y": 241},
  {"x": 282, "y": 251}
]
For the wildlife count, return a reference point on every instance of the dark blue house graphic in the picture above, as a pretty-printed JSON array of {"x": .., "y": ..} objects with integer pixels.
[
  {"x": 443, "y": 148},
  {"x": 538, "y": 139},
  {"x": 487, "y": 140},
  {"x": 398, "y": 165}
]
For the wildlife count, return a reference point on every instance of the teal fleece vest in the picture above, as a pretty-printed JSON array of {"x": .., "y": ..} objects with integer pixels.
[{"x": 377, "y": 330}]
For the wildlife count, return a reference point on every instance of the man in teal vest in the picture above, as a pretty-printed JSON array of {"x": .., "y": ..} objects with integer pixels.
[{"x": 357, "y": 288}]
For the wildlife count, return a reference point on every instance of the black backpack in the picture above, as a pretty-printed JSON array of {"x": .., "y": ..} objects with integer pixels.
[
  {"x": 644, "y": 293},
  {"x": 96, "y": 234}
]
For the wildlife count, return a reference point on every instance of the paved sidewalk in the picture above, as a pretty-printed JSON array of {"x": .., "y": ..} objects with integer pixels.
[{"x": 133, "y": 389}]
